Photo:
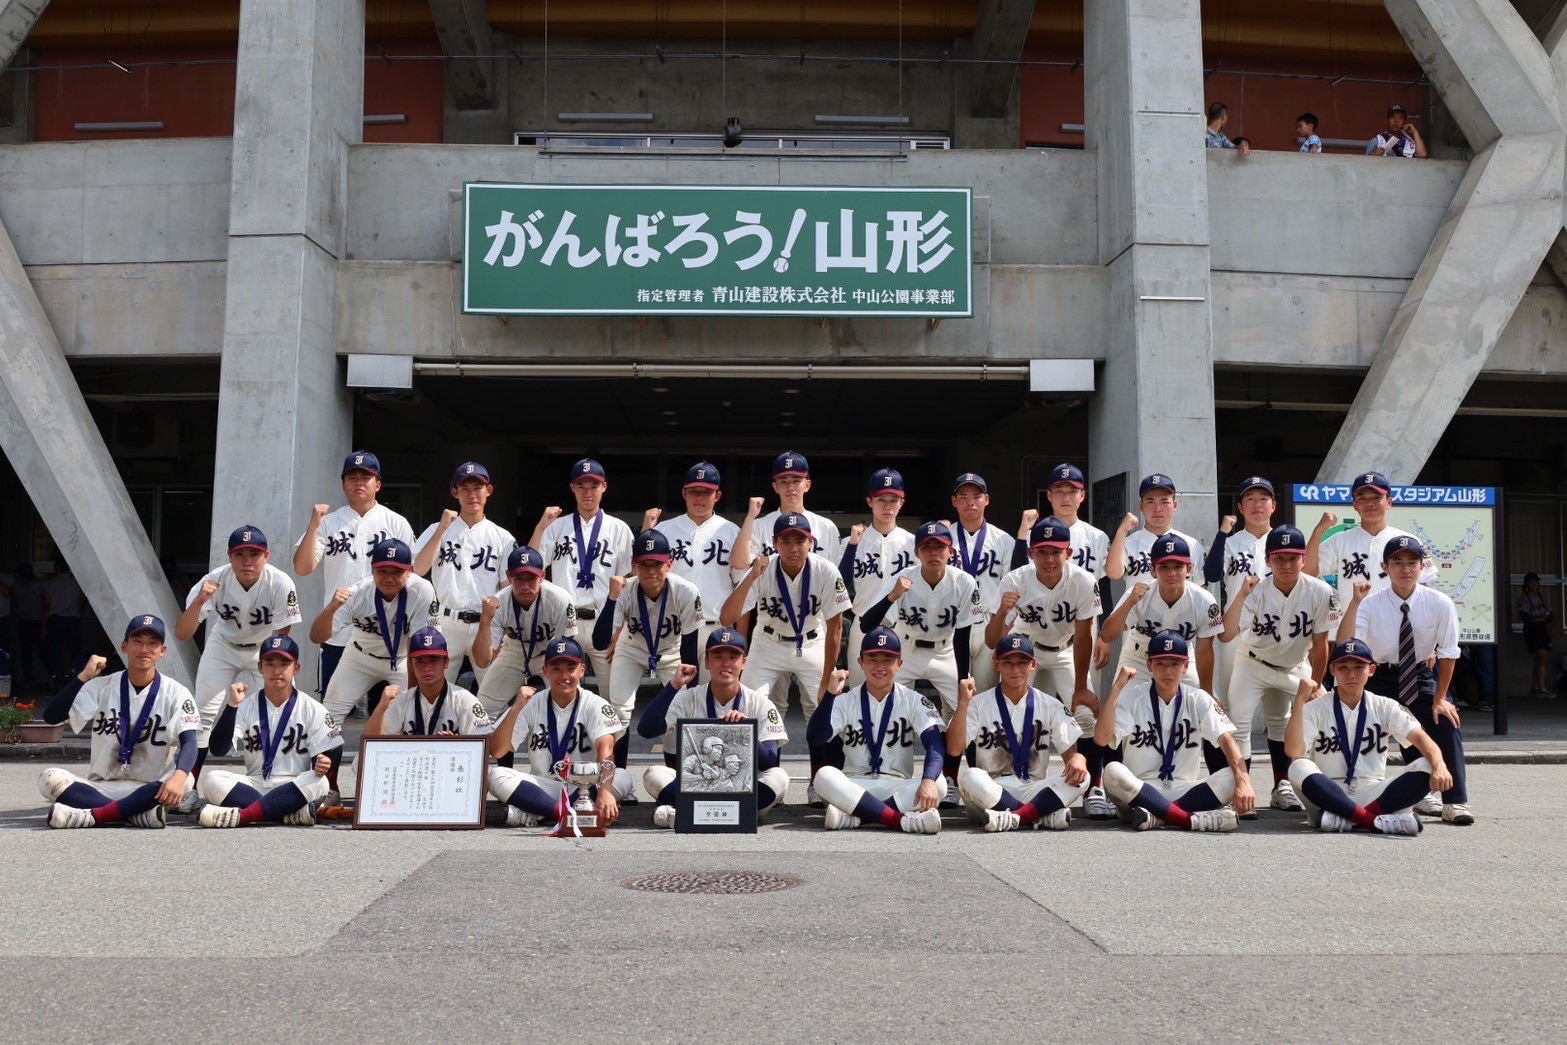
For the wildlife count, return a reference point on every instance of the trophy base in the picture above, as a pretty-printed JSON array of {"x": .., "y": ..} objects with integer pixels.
[{"x": 578, "y": 827}]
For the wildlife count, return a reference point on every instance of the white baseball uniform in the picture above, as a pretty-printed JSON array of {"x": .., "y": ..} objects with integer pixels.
[
  {"x": 607, "y": 554},
  {"x": 676, "y": 613},
  {"x": 877, "y": 557},
  {"x": 892, "y": 727},
  {"x": 309, "y": 732},
  {"x": 343, "y": 544},
  {"x": 577, "y": 730},
  {"x": 692, "y": 702},
  {"x": 1194, "y": 615},
  {"x": 926, "y": 618},
  {"x": 994, "y": 770},
  {"x": 828, "y": 539},
  {"x": 778, "y": 651},
  {"x": 470, "y": 564},
  {"x": 366, "y": 660},
  {"x": 1245, "y": 555},
  {"x": 1139, "y": 552},
  {"x": 1143, "y": 742},
  {"x": 1272, "y": 654},
  {"x": 237, "y": 620},
  {"x": 1049, "y": 616},
  {"x": 454, "y": 710},
  {"x": 172, "y": 712},
  {"x": 985, "y": 555},
  {"x": 523, "y": 635},
  {"x": 1385, "y": 717},
  {"x": 1355, "y": 554},
  {"x": 703, "y": 553}
]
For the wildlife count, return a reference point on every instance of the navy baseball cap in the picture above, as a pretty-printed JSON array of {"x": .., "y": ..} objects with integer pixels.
[
  {"x": 361, "y": 461},
  {"x": 703, "y": 475},
  {"x": 280, "y": 646},
  {"x": 726, "y": 638},
  {"x": 427, "y": 642},
  {"x": 587, "y": 468},
  {"x": 791, "y": 463},
  {"x": 1351, "y": 649},
  {"x": 1171, "y": 548},
  {"x": 524, "y": 559},
  {"x": 1403, "y": 543},
  {"x": 247, "y": 536},
  {"x": 788, "y": 521},
  {"x": 970, "y": 479},
  {"x": 881, "y": 640},
  {"x": 1015, "y": 645},
  {"x": 145, "y": 622},
  {"x": 471, "y": 470},
  {"x": 1286, "y": 540},
  {"x": 651, "y": 545},
  {"x": 1050, "y": 532},
  {"x": 1156, "y": 481},
  {"x": 391, "y": 552},
  {"x": 1167, "y": 644},
  {"x": 564, "y": 649},
  {"x": 1374, "y": 480},
  {"x": 885, "y": 480},
  {"x": 1066, "y": 473},
  {"x": 1255, "y": 482},
  {"x": 935, "y": 530}
]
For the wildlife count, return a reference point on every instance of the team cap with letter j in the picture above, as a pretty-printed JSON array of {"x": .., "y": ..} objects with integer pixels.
[
  {"x": 471, "y": 470},
  {"x": 587, "y": 468},
  {"x": 391, "y": 552},
  {"x": 935, "y": 530},
  {"x": 726, "y": 638},
  {"x": 145, "y": 622},
  {"x": 1156, "y": 481},
  {"x": 881, "y": 640},
  {"x": 1070, "y": 474},
  {"x": 361, "y": 461},
  {"x": 1351, "y": 649},
  {"x": 524, "y": 559},
  {"x": 885, "y": 480},
  {"x": 280, "y": 646},
  {"x": 791, "y": 463},
  {"x": 1403, "y": 543},
  {"x": 1015, "y": 645},
  {"x": 247, "y": 536},
  {"x": 651, "y": 546},
  {"x": 973, "y": 479},
  {"x": 791, "y": 521},
  {"x": 1050, "y": 532},
  {"x": 702, "y": 475},
  {"x": 1370, "y": 480},
  {"x": 1286, "y": 540},
  {"x": 427, "y": 642},
  {"x": 1255, "y": 482},
  {"x": 1171, "y": 548},
  {"x": 564, "y": 649},
  {"x": 1167, "y": 644}
]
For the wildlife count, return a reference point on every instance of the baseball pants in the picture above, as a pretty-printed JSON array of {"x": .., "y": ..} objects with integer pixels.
[
  {"x": 1416, "y": 779},
  {"x": 459, "y": 636},
  {"x": 53, "y": 783},
  {"x": 215, "y": 784},
  {"x": 937, "y": 666},
  {"x": 355, "y": 674},
  {"x": 1253, "y": 682},
  {"x": 507, "y": 673},
  {"x": 330, "y": 655},
  {"x": 981, "y": 658},
  {"x": 702, "y": 632},
  {"x": 540, "y": 795},
  {"x": 222, "y": 665},
  {"x": 1123, "y": 787},
  {"x": 627, "y": 669},
  {"x": 663, "y": 784},
  {"x": 839, "y": 789},
  {"x": 771, "y": 664},
  {"x": 980, "y": 791}
]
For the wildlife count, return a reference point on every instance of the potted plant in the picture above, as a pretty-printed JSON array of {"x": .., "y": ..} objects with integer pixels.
[
  {"x": 17, "y": 725},
  {"x": 11, "y": 719}
]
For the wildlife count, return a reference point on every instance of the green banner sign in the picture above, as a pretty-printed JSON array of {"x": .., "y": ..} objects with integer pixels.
[{"x": 717, "y": 250}]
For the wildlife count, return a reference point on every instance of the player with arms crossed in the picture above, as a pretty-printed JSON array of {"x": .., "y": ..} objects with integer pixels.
[
  {"x": 433, "y": 707},
  {"x": 875, "y": 552},
  {"x": 340, "y": 542},
  {"x": 721, "y": 697},
  {"x": 1009, "y": 733},
  {"x": 139, "y": 718},
  {"x": 985, "y": 552},
  {"x": 702, "y": 544},
  {"x": 289, "y": 744},
  {"x": 520, "y": 624},
  {"x": 463, "y": 555},
  {"x": 1171, "y": 603},
  {"x": 876, "y": 726},
  {"x": 1338, "y": 745},
  {"x": 562, "y": 721},
  {"x": 1161, "y": 778}
]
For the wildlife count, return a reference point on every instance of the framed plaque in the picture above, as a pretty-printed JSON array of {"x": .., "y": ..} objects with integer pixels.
[
  {"x": 717, "y": 775},
  {"x": 436, "y": 783}
]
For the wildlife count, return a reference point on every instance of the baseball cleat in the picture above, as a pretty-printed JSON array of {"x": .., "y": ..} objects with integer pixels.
[
  {"x": 1430, "y": 805},
  {"x": 69, "y": 816},
  {"x": 1284, "y": 797},
  {"x": 301, "y": 817},
  {"x": 157, "y": 817},
  {"x": 1214, "y": 820},
  {"x": 1096, "y": 806},
  {"x": 1398, "y": 824},
  {"x": 812, "y": 799},
  {"x": 926, "y": 823},
  {"x": 1142, "y": 819},
  {"x": 1001, "y": 820},
  {"x": 218, "y": 816},
  {"x": 1334, "y": 822},
  {"x": 1060, "y": 820},
  {"x": 516, "y": 817},
  {"x": 190, "y": 803},
  {"x": 1458, "y": 813},
  {"x": 664, "y": 816},
  {"x": 837, "y": 820}
]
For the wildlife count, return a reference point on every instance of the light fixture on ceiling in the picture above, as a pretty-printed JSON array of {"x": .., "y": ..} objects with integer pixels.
[
  {"x": 604, "y": 117},
  {"x": 385, "y": 119},
  {"x": 111, "y": 126},
  {"x": 840, "y": 120}
]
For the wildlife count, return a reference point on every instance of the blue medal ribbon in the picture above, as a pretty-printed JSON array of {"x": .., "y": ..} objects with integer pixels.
[
  {"x": 1166, "y": 744},
  {"x": 129, "y": 733},
  {"x": 271, "y": 741},
  {"x": 533, "y": 626},
  {"x": 1016, "y": 744},
  {"x": 797, "y": 623},
  {"x": 586, "y": 555},
  {"x": 970, "y": 565},
  {"x": 435, "y": 712},
  {"x": 558, "y": 746},
  {"x": 874, "y": 741},
  {"x": 712, "y": 705},
  {"x": 1349, "y": 746},
  {"x": 392, "y": 636},
  {"x": 649, "y": 633}
]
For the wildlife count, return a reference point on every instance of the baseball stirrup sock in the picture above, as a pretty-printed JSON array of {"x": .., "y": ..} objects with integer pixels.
[
  {"x": 622, "y": 749},
  {"x": 765, "y": 796},
  {"x": 1093, "y": 754},
  {"x": 201, "y": 760},
  {"x": 1281, "y": 761},
  {"x": 241, "y": 795},
  {"x": 1008, "y": 801},
  {"x": 133, "y": 804},
  {"x": 1326, "y": 794},
  {"x": 274, "y": 805},
  {"x": 1198, "y": 799},
  {"x": 1150, "y": 799},
  {"x": 530, "y": 798},
  {"x": 83, "y": 796},
  {"x": 671, "y": 793},
  {"x": 1213, "y": 757},
  {"x": 1402, "y": 792},
  {"x": 872, "y": 809},
  {"x": 1043, "y": 804}
]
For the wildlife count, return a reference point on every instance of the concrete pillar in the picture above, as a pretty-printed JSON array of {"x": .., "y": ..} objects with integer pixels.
[
  {"x": 1154, "y": 410},
  {"x": 284, "y": 414}
]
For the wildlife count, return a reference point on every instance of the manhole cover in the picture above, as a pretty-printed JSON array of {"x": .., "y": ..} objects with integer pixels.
[{"x": 723, "y": 882}]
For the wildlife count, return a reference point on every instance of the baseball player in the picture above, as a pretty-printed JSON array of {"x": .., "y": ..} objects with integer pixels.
[
  {"x": 798, "y": 598},
  {"x": 1171, "y": 603},
  {"x": 433, "y": 707},
  {"x": 339, "y": 542},
  {"x": 289, "y": 742},
  {"x": 1130, "y": 552},
  {"x": 1357, "y": 553},
  {"x": 874, "y": 553},
  {"x": 937, "y": 608},
  {"x": 521, "y": 622},
  {"x": 1009, "y": 733},
  {"x": 1406, "y": 623},
  {"x": 241, "y": 604},
  {"x": 562, "y": 721},
  {"x": 466, "y": 553},
  {"x": 876, "y": 727},
  {"x": 722, "y": 697},
  {"x": 1158, "y": 725},
  {"x": 584, "y": 550},
  {"x": 1231, "y": 558},
  {"x": 1051, "y": 601},
  {"x": 702, "y": 545},
  {"x": 1282, "y": 622},
  {"x": 985, "y": 552},
  {"x": 1338, "y": 745},
  {"x": 145, "y": 730},
  {"x": 791, "y": 482}
]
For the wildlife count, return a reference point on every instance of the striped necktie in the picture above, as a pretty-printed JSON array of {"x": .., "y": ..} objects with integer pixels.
[{"x": 1407, "y": 683}]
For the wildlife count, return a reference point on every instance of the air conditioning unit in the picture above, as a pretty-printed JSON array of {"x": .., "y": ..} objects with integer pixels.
[{"x": 144, "y": 433}]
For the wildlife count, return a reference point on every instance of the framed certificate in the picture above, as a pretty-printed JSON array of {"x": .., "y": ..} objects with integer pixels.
[
  {"x": 717, "y": 766},
  {"x": 436, "y": 783}
]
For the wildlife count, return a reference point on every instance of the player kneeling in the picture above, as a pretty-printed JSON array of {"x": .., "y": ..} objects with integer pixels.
[
  {"x": 1338, "y": 742},
  {"x": 723, "y": 697},
  {"x": 562, "y": 721},
  {"x": 1161, "y": 727},
  {"x": 289, "y": 741},
  {"x": 877, "y": 728},
  {"x": 1014, "y": 727},
  {"x": 138, "y": 717}
]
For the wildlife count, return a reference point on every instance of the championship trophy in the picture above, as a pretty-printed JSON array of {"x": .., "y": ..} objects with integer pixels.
[{"x": 579, "y": 819}]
